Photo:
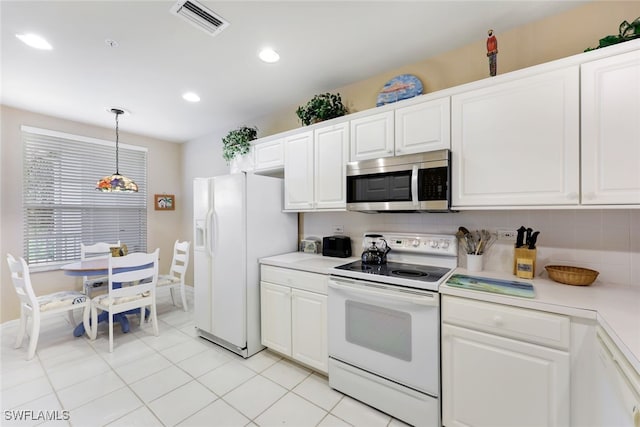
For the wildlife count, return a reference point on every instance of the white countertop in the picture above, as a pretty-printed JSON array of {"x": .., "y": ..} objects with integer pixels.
[
  {"x": 314, "y": 263},
  {"x": 615, "y": 307}
]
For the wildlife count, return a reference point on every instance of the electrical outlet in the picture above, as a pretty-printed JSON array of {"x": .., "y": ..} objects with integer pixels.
[
  {"x": 337, "y": 229},
  {"x": 507, "y": 235}
]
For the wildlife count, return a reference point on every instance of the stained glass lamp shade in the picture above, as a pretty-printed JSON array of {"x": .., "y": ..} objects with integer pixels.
[{"x": 117, "y": 182}]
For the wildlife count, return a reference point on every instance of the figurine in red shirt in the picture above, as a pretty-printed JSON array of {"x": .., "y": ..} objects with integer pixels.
[{"x": 492, "y": 53}]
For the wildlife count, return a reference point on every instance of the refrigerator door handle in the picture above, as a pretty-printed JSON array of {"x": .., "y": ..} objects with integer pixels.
[
  {"x": 209, "y": 233},
  {"x": 214, "y": 234}
]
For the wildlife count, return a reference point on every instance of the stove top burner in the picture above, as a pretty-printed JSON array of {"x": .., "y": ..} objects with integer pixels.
[
  {"x": 407, "y": 273},
  {"x": 424, "y": 273}
]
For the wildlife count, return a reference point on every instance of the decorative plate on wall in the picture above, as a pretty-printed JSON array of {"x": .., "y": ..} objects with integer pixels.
[{"x": 400, "y": 87}]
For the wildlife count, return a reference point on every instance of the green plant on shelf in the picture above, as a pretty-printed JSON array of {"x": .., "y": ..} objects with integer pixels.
[
  {"x": 321, "y": 107},
  {"x": 238, "y": 142}
]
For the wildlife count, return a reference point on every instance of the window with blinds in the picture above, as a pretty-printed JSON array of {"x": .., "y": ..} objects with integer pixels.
[{"x": 62, "y": 207}]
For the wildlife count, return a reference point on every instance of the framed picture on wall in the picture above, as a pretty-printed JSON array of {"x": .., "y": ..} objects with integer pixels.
[{"x": 164, "y": 202}]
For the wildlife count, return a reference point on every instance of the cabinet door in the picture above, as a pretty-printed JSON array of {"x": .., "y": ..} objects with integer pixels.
[
  {"x": 372, "y": 136},
  {"x": 275, "y": 316},
  {"x": 617, "y": 391},
  {"x": 269, "y": 155},
  {"x": 423, "y": 127},
  {"x": 331, "y": 153},
  {"x": 309, "y": 329},
  {"x": 494, "y": 381},
  {"x": 611, "y": 130},
  {"x": 517, "y": 143},
  {"x": 298, "y": 171}
]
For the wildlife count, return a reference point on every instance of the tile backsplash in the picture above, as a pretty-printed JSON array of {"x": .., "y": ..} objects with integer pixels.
[{"x": 604, "y": 240}]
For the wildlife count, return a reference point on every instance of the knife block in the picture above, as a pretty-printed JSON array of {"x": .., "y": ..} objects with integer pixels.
[{"x": 524, "y": 262}]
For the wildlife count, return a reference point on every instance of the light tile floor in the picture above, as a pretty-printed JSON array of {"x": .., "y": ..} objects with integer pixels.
[{"x": 176, "y": 378}]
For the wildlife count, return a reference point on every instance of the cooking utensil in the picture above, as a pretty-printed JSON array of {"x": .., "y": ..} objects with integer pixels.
[
  {"x": 528, "y": 237},
  {"x": 520, "y": 238},
  {"x": 470, "y": 244}
]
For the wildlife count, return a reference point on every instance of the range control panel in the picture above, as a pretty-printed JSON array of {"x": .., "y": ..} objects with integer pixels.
[{"x": 436, "y": 244}]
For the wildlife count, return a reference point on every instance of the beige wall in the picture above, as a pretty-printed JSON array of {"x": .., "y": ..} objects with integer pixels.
[
  {"x": 559, "y": 36},
  {"x": 164, "y": 176}
]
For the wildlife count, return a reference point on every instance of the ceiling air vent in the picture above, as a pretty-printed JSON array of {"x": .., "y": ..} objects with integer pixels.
[{"x": 200, "y": 16}]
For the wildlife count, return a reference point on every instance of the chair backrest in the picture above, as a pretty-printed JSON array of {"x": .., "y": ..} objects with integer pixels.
[
  {"x": 138, "y": 268},
  {"x": 97, "y": 250},
  {"x": 180, "y": 260},
  {"x": 22, "y": 281}
]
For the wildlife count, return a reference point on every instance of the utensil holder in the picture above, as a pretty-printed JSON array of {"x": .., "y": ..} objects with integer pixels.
[
  {"x": 524, "y": 262},
  {"x": 474, "y": 262}
]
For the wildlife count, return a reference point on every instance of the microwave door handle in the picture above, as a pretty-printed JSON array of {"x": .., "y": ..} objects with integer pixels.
[
  {"x": 414, "y": 185},
  {"x": 341, "y": 284}
]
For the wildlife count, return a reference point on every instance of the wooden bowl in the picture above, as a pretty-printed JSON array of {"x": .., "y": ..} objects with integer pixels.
[{"x": 568, "y": 275}]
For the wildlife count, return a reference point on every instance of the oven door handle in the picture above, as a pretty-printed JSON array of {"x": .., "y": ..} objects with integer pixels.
[
  {"x": 381, "y": 292},
  {"x": 414, "y": 185}
]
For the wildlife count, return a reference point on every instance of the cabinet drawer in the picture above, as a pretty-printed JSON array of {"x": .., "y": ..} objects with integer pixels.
[
  {"x": 296, "y": 279},
  {"x": 552, "y": 330}
]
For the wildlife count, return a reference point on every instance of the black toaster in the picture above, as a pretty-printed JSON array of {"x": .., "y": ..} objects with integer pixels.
[{"x": 336, "y": 246}]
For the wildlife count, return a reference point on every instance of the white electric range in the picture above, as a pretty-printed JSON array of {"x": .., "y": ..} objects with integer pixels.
[{"x": 384, "y": 326}]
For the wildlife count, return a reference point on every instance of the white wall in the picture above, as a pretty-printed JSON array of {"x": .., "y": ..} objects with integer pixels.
[{"x": 604, "y": 240}]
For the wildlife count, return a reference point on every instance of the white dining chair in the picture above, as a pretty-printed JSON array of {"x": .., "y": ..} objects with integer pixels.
[
  {"x": 97, "y": 250},
  {"x": 132, "y": 284},
  {"x": 175, "y": 279},
  {"x": 34, "y": 307}
]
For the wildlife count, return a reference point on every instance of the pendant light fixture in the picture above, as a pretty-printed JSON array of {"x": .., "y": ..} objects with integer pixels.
[{"x": 117, "y": 182}]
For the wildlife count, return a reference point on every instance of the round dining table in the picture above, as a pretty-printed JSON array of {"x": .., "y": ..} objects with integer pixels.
[{"x": 98, "y": 267}]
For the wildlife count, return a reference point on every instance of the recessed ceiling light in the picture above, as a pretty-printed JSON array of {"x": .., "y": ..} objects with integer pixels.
[
  {"x": 191, "y": 97},
  {"x": 269, "y": 55},
  {"x": 34, "y": 41}
]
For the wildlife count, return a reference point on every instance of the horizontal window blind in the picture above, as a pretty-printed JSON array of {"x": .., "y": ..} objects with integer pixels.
[{"x": 61, "y": 206}]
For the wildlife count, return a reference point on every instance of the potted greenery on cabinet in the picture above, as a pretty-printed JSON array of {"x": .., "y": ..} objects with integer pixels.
[
  {"x": 321, "y": 107},
  {"x": 238, "y": 142}
]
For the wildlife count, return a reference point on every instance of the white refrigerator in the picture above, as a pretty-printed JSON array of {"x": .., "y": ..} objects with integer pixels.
[{"x": 238, "y": 219}]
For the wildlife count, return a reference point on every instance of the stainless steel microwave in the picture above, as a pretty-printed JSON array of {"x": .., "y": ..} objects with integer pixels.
[{"x": 410, "y": 183}]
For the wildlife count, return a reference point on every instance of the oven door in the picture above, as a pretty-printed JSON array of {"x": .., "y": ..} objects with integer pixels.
[{"x": 388, "y": 331}]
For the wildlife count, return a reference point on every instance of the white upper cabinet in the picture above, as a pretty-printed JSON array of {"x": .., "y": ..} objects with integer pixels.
[
  {"x": 268, "y": 155},
  {"x": 298, "y": 171},
  {"x": 611, "y": 130},
  {"x": 331, "y": 153},
  {"x": 516, "y": 143},
  {"x": 422, "y": 127},
  {"x": 372, "y": 136},
  {"x": 315, "y": 168},
  {"x": 406, "y": 130}
]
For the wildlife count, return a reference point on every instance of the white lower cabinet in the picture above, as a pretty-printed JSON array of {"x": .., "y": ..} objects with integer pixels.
[
  {"x": 294, "y": 315},
  {"x": 498, "y": 368},
  {"x": 308, "y": 329},
  {"x": 617, "y": 388},
  {"x": 275, "y": 305}
]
